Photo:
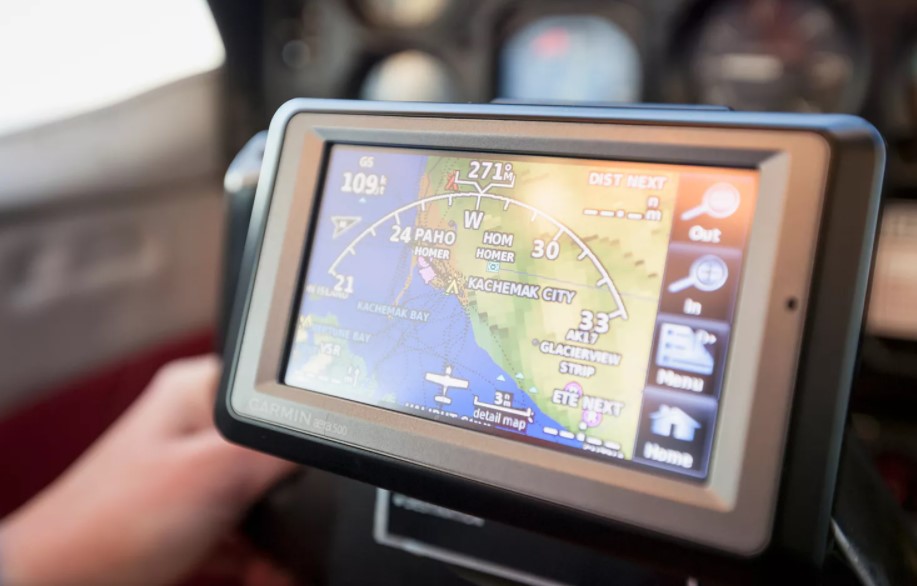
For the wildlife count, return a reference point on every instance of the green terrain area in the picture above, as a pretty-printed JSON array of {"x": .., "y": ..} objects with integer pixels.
[{"x": 511, "y": 328}]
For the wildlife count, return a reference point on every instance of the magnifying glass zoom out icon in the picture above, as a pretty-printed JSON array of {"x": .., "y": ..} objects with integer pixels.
[{"x": 720, "y": 201}]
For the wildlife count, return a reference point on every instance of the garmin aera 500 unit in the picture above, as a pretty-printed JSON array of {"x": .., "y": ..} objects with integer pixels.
[{"x": 634, "y": 317}]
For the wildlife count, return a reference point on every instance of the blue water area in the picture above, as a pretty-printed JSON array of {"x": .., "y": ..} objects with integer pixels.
[
  {"x": 401, "y": 352},
  {"x": 403, "y": 173}
]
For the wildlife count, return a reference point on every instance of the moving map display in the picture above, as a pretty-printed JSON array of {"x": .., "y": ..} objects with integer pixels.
[{"x": 582, "y": 305}]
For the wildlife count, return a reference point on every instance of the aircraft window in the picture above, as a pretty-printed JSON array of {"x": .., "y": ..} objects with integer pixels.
[{"x": 61, "y": 58}]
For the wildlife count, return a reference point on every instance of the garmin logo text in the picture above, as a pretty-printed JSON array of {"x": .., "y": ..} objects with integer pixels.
[{"x": 295, "y": 416}]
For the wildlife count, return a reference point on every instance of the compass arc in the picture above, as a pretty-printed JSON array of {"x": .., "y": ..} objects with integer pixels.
[{"x": 587, "y": 252}]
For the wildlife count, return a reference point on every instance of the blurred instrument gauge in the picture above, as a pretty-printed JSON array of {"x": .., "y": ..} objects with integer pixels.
[
  {"x": 774, "y": 55},
  {"x": 582, "y": 58},
  {"x": 410, "y": 76},
  {"x": 402, "y": 13}
]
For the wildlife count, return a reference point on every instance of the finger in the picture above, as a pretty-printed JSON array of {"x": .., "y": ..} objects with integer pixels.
[
  {"x": 263, "y": 572},
  {"x": 182, "y": 394},
  {"x": 244, "y": 474}
]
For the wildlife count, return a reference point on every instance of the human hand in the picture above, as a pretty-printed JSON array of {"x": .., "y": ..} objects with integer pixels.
[{"x": 148, "y": 500}]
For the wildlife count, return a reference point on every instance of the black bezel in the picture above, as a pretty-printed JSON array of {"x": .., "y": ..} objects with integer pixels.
[{"x": 831, "y": 335}]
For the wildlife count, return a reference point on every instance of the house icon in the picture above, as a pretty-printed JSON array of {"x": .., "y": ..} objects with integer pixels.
[{"x": 673, "y": 422}]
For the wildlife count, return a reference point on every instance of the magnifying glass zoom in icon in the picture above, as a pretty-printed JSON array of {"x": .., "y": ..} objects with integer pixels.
[
  {"x": 707, "y": 273},
  {"x": 720, "y": 201}
]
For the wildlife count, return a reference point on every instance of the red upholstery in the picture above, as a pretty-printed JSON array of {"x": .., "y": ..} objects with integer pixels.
[{"x": 40, "y": 440}]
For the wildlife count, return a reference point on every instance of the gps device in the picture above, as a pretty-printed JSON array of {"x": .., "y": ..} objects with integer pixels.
[{"x": 588, "y": 321}]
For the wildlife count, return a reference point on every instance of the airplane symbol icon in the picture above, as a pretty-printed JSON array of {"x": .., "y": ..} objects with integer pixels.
[{"x": 446, "y": 381}]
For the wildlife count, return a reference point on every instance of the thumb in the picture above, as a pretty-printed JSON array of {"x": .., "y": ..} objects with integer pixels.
[{"x": 249, "y": 473}]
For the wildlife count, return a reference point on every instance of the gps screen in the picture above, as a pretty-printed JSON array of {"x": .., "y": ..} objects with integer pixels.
[{"x": 582, "y": 305}]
